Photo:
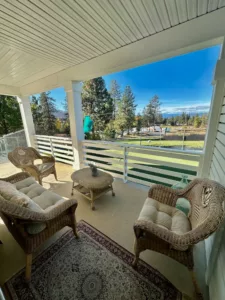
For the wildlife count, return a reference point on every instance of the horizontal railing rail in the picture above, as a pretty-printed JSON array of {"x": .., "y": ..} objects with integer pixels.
[
  {"x": 142, "y": 164},
  {"x": 59, "y": 147}
]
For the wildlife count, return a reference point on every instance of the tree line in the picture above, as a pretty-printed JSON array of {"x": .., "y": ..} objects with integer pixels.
[{"x": 113, "y": 112}]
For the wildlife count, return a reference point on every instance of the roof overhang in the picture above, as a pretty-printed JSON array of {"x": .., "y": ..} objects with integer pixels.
[{"x": 32, "y": 73}]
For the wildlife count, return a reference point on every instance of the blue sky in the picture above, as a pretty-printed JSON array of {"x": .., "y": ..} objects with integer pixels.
[{"x": 183, "y": 83}]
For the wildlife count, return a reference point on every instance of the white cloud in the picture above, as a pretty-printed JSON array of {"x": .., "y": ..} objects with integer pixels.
[{"x": 188, "y": 109}]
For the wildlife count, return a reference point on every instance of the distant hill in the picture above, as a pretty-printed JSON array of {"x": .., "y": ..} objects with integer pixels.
[
  {"x": 60, "y": 114},
  {"x": 170, "y": 115}
]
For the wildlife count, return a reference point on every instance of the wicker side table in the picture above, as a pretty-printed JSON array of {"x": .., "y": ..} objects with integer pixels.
[{"x": 91, "y": 187}]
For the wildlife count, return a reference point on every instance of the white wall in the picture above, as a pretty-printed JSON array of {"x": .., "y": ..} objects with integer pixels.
[{"x": 215, "y": 244}]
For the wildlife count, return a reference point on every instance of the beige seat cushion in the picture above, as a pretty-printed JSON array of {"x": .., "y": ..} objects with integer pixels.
[
  {"x": 41, "y": 200},
  {"x": 44, "y": 198},
  {"x": 44, "y": 167},
  {"x": 165, "y": 216}
]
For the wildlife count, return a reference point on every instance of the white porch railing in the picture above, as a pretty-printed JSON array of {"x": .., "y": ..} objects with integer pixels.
[
  {"x": 9, "y": 142},
  {"x": 59, "y": 147},
  {"x": 141, "y": 164}
]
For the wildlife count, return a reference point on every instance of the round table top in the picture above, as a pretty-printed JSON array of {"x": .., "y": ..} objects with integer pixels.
[{"x": 84, "y": 177}]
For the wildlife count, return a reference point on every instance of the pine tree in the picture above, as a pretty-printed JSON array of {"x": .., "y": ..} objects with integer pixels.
[
  {"x": 138, "y": 123},
  {"x": 125, "y": 116},
  {"x": 10, "y": 117},
  {"x": 115, "y": 94},
  {"x": 66, "y": 124},
  {"x": 48, "y": 110},
  {"x": 151, "y": 113},
  {"x": 197, "y": 121},
  {"x": 97, "y": 103},
  {"x": 37, "y": 115}
]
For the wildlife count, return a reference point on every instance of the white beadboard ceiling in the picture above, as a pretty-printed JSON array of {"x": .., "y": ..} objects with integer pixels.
[{"x": 42, "y": 37}]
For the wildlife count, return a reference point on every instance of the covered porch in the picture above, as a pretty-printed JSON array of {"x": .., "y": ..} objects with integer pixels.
[
  {"x": 114, "y": 216},
  {"x": 137, "y": 34}
]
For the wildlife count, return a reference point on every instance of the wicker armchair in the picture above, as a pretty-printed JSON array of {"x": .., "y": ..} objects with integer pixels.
[
  {"x": 17, "y": 218},
  {"x": 206, "y": 199},
  {"x": 24, "y": 157}
]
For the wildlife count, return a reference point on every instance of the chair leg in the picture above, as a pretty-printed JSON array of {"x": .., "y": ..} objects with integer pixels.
[
  {"x": 136, "y": 253},
  {"x": 74, "y": 226},
  {"x": 40, "y": 180},
  {"x": 55, "y": 174},
  {"x": 198, "y": 294},
  {"x": 28, "y": 266}
]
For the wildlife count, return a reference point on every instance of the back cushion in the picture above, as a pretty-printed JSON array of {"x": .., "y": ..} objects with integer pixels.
[{"x": 9, "y": 192}]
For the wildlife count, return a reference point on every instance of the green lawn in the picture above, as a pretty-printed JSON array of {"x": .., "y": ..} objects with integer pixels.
[
  {"x": 164, "y": 143},
  {"x": 178, "y": 164}
]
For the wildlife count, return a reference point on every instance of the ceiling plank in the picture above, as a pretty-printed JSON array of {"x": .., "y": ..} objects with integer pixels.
[
  {"x": 138, "y": 5},
  {"x": 221, "y": 3},
  {"x": 120, "y": 7},
  {"x": 182, "y": 10},
  {"x": 202, "y": 7},
  {"x": 97, "y": 11},
  {"x": 48, "y": 15},
  {"x": 76, "y": 17},
  {"x": 162, "y": 13},
  {"x": 192, "y": 9},
  {"x": 153, "y": 14},
  {"x": 172, "y": 12},
  {"x": 213, "y": 5},
  {"x": 32, "y": 18}
]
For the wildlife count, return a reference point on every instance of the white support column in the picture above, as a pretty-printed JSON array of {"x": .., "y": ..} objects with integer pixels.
[
  {"x": 28, "y": 124},
  {"x": 215, "y": 111},
  {"x": 73, "y": 91}
]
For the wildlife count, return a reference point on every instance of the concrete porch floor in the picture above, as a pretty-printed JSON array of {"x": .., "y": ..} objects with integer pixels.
[{"x": 114, "y": 216}]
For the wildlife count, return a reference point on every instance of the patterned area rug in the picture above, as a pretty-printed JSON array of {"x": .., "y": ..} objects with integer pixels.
[{"x": 92, "y": 267}]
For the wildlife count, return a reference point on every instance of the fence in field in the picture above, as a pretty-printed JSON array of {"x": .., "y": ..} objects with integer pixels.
[
  {"x": 142, "y": 164},
  {"x": 59, "y": 147}
]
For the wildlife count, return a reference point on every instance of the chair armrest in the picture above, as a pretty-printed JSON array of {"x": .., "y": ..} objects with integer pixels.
[
  {"x": 47, "y": 159},
  {"x": 16, "y": 177},
  {"x": 57, "y": 210},
  {"x": 163, "y": 194},
  {"x": 23, "y": 213},
  {"x": 31, "y": 169}
]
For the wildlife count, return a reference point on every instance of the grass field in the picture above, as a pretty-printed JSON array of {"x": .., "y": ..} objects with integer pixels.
[{"x": 164, "y": 143}]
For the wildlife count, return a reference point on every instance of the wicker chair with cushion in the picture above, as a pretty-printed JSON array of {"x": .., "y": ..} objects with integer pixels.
[
  {"x": 163, "y": 228},
  {"x": 33, "y": 214},
  {"x": 24, "y": 157}
]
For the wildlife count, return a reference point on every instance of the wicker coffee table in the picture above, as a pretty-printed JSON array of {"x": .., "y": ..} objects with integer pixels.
[{"x": 91, "y": 187}]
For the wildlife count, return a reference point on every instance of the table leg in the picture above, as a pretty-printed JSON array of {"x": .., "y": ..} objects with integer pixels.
[
  {"x": 72, "y": 189},
  {"x": 92, "y": 200},
  {"x": 113, "y": 193}
]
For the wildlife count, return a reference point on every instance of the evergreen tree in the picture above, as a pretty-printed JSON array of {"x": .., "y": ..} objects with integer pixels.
[
  {"x": 130, "y": 107},
  {"x": 138, "y": 123},
  {"x": 151, "y": 113},
  {"x": 37, "y": 115},
  {"x": 197, "y": 121},
  {"x": 10, "y": 117},
  {"x": 97, "y": 103},
  {"x": 125, "y": 116},
  {"x": 115, "y": 93},
  {"x": 48, "y": 110},
  {"x": 66, "y": 123}
]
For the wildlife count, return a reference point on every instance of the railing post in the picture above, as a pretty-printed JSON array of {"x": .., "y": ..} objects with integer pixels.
[
  {"x": 124, "y": 164},
  {"x": 52, "y": 150}
]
